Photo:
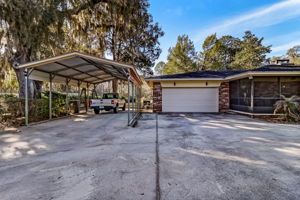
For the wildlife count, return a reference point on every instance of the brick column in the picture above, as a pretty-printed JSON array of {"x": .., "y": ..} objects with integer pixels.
[
  {"x": 157, "y": 97},
  {"x": 224, "y": 97}
]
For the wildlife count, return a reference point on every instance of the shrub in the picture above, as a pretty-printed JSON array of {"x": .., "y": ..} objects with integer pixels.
[{"x": 290, "y": 107}]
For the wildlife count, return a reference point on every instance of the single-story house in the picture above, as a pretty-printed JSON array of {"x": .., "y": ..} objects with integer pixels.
[{"x": 250, "y": 91}]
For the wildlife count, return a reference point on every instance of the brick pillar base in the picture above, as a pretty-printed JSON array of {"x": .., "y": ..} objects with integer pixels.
[
  {"x": 224, "y": 97},
  {"x": 157, "y": 97}
]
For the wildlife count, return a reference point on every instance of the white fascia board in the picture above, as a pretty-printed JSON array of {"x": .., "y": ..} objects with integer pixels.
[{"x": 266, "y": 73}]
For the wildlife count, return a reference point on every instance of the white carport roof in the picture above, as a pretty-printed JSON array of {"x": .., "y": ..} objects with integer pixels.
[{"x": 79, "y": 67}]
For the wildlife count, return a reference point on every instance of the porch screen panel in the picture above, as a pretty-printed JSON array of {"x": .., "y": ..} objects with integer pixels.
[
  {"x": 266, "y": 93},
  {"x": 245, "y": 94},
  {"x": 290, "y": 86},
  {"x": 240, "y": 94}
]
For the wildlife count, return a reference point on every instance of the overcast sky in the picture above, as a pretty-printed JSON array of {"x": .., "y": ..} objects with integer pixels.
[{"x": 277, "y": 21}]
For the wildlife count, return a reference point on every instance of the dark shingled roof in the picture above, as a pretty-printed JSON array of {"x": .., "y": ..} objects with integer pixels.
[
  {"x": 200, "y": 74},
  {"x": 225, "y": 73},
  {"x": 280, "y": 68}
]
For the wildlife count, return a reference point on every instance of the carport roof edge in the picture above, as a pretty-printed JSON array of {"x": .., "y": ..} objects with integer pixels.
[{"x": 89, "y": 60}]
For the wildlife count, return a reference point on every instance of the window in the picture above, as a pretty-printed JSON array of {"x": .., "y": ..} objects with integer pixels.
[{"x": 110, "y": 96}]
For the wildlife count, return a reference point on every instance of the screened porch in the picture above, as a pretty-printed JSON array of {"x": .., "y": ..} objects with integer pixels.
[{"x": 258, "y": 94}]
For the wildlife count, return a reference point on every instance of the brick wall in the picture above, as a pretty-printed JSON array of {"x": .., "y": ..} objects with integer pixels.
[
  {"x": 157, "y": 97},
  {"x": 224, "y": 97}
]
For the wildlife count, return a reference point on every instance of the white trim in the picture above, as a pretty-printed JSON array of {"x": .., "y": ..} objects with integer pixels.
[{"x": 270, "y": 73}]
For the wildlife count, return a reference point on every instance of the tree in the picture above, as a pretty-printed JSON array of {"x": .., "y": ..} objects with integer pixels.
[
  {"x": 229, "y": 52},
  {"x": 32, "y": 30},
  {"x": 133, "y": 37},
  {"x": 158, "y": 70},
  {"x": 182, "y": 58},
  {"x": 219, "y": 53},
  {"x": 252, "y": 53},
  {"x": 293, "y": 54},
  {"x": 208, "y": 51}
]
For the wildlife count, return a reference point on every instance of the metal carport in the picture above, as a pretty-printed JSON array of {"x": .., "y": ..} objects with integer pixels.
[{"x": 83, "y": 70}]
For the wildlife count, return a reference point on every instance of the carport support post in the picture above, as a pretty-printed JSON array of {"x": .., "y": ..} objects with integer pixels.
[
  {"x": 67, "y": 95},
  {"x": 26, "y": 97},
  {"x": 252, "y": 96},
  {"x": 135, "y": 102},
  {"x": 88, "y": 97},
  {"x": 50, "y": 96},
  {"x": 79, "y": 83},
  {"x": 139, "y": 98},
  {"x": 128, "y": 100},
  {"x": 132, "y": 99}
]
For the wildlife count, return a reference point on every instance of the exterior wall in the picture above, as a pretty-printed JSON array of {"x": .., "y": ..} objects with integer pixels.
[
  {"x": 157, "y": 97},
  {"x": 224, "y": 97}
]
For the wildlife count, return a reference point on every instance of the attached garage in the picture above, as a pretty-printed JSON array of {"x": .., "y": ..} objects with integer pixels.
[
  {"x": 190, "y": 100},
  {"x": 250, "y": 91}
]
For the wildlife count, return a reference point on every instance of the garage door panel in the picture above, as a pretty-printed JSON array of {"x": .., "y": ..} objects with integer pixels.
[{"x": 190, "y": 99}]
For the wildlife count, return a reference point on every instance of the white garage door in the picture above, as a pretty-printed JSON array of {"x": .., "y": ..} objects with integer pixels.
[{"x": 190, "y": 100}]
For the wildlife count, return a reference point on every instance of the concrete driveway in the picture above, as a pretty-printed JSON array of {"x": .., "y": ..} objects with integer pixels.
[
  {"x": 201, "y": 157},
  {"x": 228, "y": 157}
]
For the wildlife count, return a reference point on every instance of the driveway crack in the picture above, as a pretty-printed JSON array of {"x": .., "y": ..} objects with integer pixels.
[{"x": 157, "y": 161}]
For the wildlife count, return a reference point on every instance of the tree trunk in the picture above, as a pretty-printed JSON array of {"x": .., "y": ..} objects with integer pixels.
[
  {"x": 113, "y": 50},
  {"x": 34, "y": 87},
  {"x": 115, "y": 85},
  {"x": 38, "y": 86},
  {"x": 21, "y": 80},
  {"x": 21, "y": 58}
]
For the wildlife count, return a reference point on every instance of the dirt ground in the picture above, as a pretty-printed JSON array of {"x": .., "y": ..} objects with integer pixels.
[{"x": 201, "y": 157}]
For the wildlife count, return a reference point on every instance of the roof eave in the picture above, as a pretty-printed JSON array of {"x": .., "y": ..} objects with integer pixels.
[
  {"x": 184, "y": 79},
  {"x": 241, "y": 75},
  {"x": 262, "y": 73}
]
